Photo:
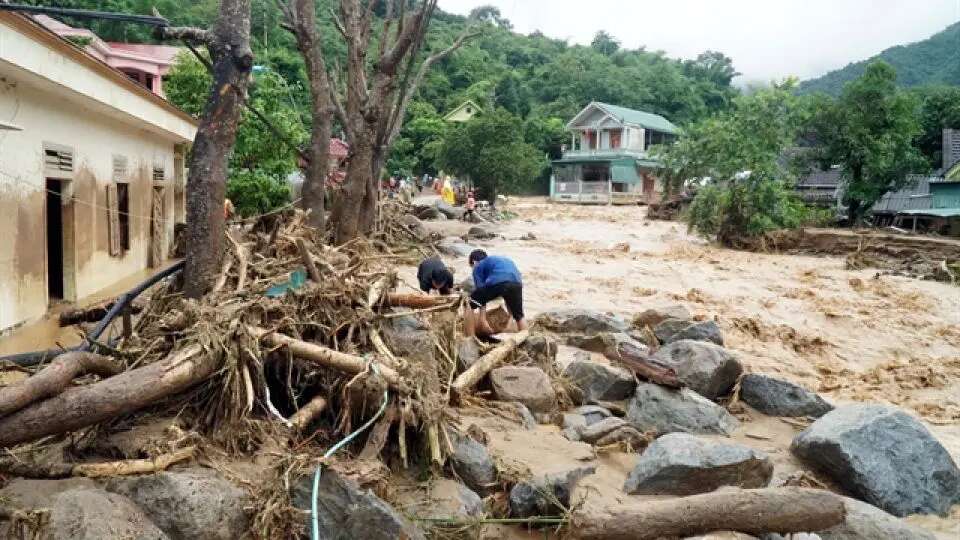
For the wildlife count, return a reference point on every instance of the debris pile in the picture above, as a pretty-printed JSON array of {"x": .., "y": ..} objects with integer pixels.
[{"x": 306, "y": 396}]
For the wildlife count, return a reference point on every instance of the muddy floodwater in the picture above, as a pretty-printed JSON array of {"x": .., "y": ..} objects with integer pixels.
[{"x": 852, "y": 335}]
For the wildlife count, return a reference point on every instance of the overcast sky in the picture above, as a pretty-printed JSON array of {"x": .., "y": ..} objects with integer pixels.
[{"x": 767, "y": 39}]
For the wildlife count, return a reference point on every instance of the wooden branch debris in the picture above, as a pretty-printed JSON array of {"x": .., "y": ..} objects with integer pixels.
[
  {"x": 323, "y": 356},
  {"x": 92, "y": 313},
  {"x": 751, "y": 511},
  {"x": 133, "y": 466},
  {"x": 469, "y": 378},
  {"x": 55, "y": 378},
  {"x": 127, "y": 392},
  {"x": 303, "y": 417},
  {"x": 418, "y": 301},
  {"x": 641, "y": 363},
  {"x": 377, "y": 439},
  {"x": 308, "y": 261},
  {"x": 242, "y": 258}
]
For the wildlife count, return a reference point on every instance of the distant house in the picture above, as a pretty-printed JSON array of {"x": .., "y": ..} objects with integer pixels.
[
  {"x": 92, "y": 176},
  {"x": 608, "y": 161},
  {"x": 339, "y": 151},
  {"x": 465, "y": 111},
  {"x": 144, "y": 63}
]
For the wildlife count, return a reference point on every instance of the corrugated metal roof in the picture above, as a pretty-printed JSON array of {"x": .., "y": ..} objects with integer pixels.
[
  {"x": 936, "y": 212},
  {"x": 640, "y": 118},
  {"x": 916, "y": 196}
]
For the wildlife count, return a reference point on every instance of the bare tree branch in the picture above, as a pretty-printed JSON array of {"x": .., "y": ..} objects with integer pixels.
[{"x": 338, "y": 24}]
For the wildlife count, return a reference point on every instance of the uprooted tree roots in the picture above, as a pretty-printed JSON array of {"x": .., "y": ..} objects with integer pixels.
[{"x": 293, "y": 331}]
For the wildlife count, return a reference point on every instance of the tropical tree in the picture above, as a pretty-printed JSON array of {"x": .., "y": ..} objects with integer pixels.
[
  {"x": 604, "y": 43},
  {"x": 491, "y": 151},
  {"x": 869, "y": 131},
  {"x": 732, "y": 159}
]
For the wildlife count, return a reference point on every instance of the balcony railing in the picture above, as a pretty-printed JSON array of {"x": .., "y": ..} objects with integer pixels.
[{"x": 604, "y": 152}]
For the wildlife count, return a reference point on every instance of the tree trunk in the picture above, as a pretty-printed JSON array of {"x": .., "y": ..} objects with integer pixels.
[
  {"x": 753, "y": 511},
  {"x": 54, "y": 378},
  {"x": 229, "y": 46},
  {"x": 301, "y": 16},
  {"x": 356, "y": 186},
  {"x": 121, "y": 394}
]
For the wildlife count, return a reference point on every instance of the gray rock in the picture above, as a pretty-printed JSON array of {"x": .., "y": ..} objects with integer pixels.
[
  {"x": 883, "y": 456},
  {"x": 600, "y": 382},
  {"x": 672, "y": 330},
  {"x": 664, "y": 410},
  {"x": 596, "y": 431},
  {"x": 580, "y": 321},
  {"x": 705, "y": 368},
  {"x": 472, "y": 463},
  {"x": 346, "y": 511},
  {"x": 189, "y": 503},
  {"x": 541, "y": 349},
  {"x": 454, "y": 247},
  {"x": 592, "y": 413},
  {"x": 467, "y": 285},
  {"x": 654, "y": 316},
  {"x": 94, "y": 514},
  {"x": 451, "y": 212},
  {"x": 29, "y": 493},
  {"x": 722, "y": 535},
  {"x": 625, "y": 433},
  {"x": 527, "y": 419},
  {"x": 528, "y": 385},
  {"x": 409, "y": 341},
  {"x": 479, "y": 233},
  {"x": 681, "y": 464},
  {"x": 573, "y": 421},
  {"x": 605, "y": 343},
  {"x": 777, "y": 397},
  {"x": 535, "y": 497},
  {"x": 867, "y": 522},
  {"x": 447, "y": 499},
  {"x": 415, "y": 227},
  {"x": 468, "y": 352}
]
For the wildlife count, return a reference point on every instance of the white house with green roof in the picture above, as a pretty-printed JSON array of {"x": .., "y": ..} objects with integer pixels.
[{"x": 607, "y": 160}]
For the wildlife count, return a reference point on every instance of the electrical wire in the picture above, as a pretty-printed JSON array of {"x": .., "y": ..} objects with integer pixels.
[{"x": 314, "y": 512}]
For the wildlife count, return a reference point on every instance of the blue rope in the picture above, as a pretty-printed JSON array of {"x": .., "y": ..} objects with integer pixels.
[{"x": 314, "y": 518}]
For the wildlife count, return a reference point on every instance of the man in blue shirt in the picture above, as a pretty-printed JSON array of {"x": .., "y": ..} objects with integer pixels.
[{"x": 494, "y": 277}]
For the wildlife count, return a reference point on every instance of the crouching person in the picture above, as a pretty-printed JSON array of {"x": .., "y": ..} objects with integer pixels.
[
  {"x": 494, "y": 277},
  {"x": 433, "y": 274}
]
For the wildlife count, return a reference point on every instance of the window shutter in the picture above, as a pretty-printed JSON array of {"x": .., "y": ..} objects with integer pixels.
[
  {"x": 113, "y": 220},
  {"x": 159, "y": 174},
  {"x": 58, "y": 159},
  {"x": 119, "y": 168}
]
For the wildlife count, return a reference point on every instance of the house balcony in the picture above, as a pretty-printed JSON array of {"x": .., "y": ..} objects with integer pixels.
[{"x": 612, "y": 153}]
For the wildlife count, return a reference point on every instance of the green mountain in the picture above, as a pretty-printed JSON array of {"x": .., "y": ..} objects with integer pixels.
[{"x": 931, "y": 61}]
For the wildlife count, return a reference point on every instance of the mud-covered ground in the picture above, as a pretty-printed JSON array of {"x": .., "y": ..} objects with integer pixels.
[{"x": 849, "y": 334}]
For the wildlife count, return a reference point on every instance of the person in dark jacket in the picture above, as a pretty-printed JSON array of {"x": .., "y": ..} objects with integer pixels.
[
  {"x": 433, "y": 274},
  {"x": 494, "y": 277}
]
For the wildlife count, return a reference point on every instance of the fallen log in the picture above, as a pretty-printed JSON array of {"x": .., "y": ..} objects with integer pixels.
[
  {"x": 127, "y": 392},
  {"x": 417, "y": 300},
  {"x": 308, "y": 261},
  {"x": 26, "y": 469},
  {"x": 641, "y": 363},
  {"x": 751, "y": 511},
  {"x": 55, "y": 378},
  {"x": 469, "y": 378},
  {"x": 323, "y": 356}
]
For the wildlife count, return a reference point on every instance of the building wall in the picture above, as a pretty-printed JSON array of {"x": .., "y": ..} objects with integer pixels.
[
  {"x": 95, "y": 139},
  {"x": 945, "y": 195}
]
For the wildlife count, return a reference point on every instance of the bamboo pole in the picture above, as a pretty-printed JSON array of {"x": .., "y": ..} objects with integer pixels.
[{"x": 469, "y": 378}]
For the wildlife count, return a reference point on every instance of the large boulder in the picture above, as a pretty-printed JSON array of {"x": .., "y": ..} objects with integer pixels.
[
  {"x": 541, "y": 349},
  {"x": 593, "y": 413},
  {"x": 599, "y": 382},
  {"x": 451, "y": 212},
  {"x": 539, "y": 495},
  {"x": 480, "y": 233},
  {"x": 468, "y": 352},
  {"x": 580, "y": 321},
  {"x": 665, "y": 410},
  {"x": 867, "y": 522},
  {"x": 883, "y": 456},
  {"x": 705, "y": 368},
  {"x": 409, "y": 338},
  {"x": 346, "y": 511},
  {"x": 445, "y": 499},
  {"x": 777, "y": 397},
  {"x": 94, "y": 514},
  {"x": 454, "y": 247},
  {"x": 472, "y": 463},
  {"x": 428, "y": 212},
  {"x": 672, "y": 330},
  {"x": 681, "y": 464},
  {"x": 189, "y": 503},
  {"x": 593, "y": 432},
  {"x": 414, "y": 227},
  {"x": 528, "y": 385},
  {"x": 654, "y": 316}
]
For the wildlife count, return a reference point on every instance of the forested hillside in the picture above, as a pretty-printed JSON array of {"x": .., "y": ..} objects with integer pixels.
[
  {"x": 540, "y": 80},
  {"x": 931, "y": 61}
]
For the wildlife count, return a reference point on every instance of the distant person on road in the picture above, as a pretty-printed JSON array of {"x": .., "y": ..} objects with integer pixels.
[
  {"x": 434, "y": 275},
  {"x": 471, "y": 206},
  {"x": 494, "y": 277}
]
